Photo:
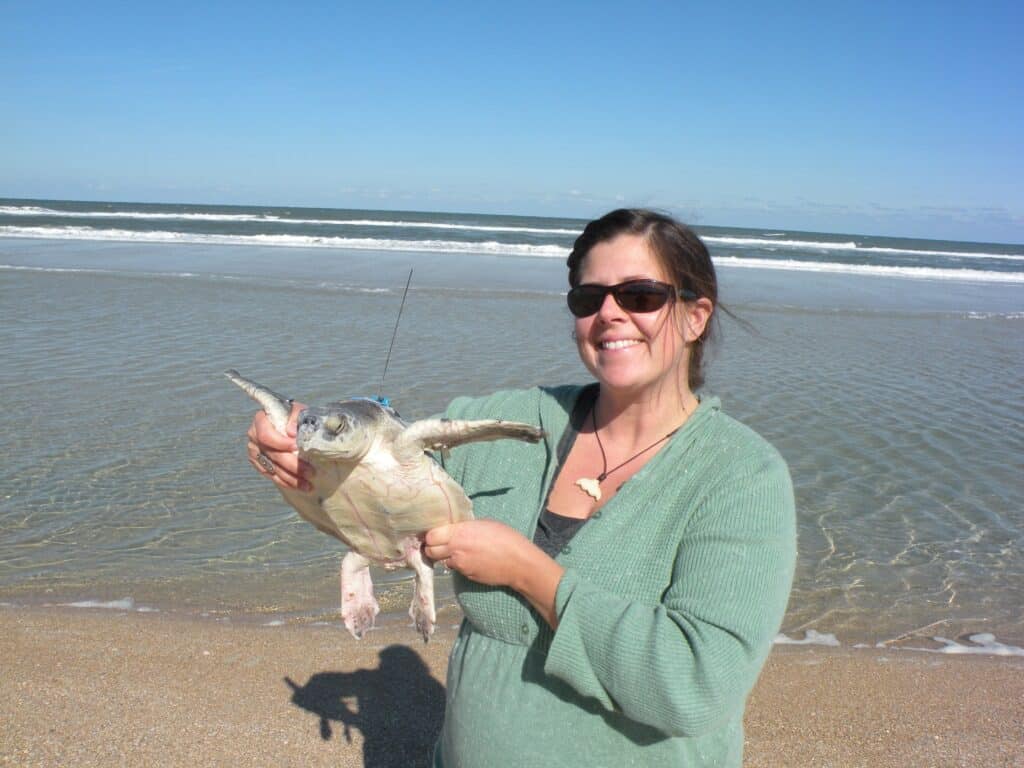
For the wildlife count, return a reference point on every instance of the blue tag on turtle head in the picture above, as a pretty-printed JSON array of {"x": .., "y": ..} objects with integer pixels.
[{"x": 385, "y": 401}]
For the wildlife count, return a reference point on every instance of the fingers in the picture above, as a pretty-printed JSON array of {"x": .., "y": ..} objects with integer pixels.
[
  {"x": 284, "y": 469},
  {"x": 446, "y": 558},
  {"x": 437, "y": 545},
  {"x": 439, "y": 535},
  {"x": 274, "y": 455},
  {"x": 263, "y": 434},
  {"x": 293, "y": 419},
  {"x": 280, "y": 478}
]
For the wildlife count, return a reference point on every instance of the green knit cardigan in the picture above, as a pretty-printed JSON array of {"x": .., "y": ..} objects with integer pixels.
[{"x": 672, "y": 595}]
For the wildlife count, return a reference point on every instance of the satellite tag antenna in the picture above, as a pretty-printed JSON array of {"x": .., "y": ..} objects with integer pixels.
[{"x": 380, "y": 398}]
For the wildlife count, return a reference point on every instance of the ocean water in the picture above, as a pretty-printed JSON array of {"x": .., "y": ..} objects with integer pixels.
[{"x": 888, "y": 373}]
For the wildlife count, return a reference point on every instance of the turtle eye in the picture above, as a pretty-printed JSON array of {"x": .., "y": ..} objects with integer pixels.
[{"x": 333, "y": 424}]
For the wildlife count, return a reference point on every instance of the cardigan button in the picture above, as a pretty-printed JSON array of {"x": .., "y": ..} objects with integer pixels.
[
  {"x": 566, "y": 549},
  {"x": 597, "y": 514},
  {"x": 525, "y": 629}
]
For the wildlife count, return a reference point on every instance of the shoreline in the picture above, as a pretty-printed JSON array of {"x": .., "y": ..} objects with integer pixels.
[
  {"x": 105, "y": 687},
  {"x": 945, "y": 636}
]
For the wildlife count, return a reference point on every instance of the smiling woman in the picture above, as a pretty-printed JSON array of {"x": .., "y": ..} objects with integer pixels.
[
  {"x": 624, "y": 580},
  {"x": 637, "y": 353},
  {"x": 665, "y": 247}
]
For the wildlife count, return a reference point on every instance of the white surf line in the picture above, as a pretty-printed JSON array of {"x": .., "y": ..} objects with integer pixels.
[
  {"x": 489, "y": 247},
  {"x": 984, "y": 644},
  {"x": 292, "y": 241},
  {"x": 849, "y": 245},
  {"x": 271, "y": 219},
  {"x": 124, "y": 604},
  {"x": 811, "y": 637},
  {"x": 931, "y": 273},
  {"x": 852, "y": 247}
]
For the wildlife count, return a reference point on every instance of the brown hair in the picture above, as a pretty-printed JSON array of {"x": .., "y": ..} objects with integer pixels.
[{"x": 682, "y": 255}]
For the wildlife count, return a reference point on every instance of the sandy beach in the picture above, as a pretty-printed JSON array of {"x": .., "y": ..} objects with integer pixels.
[{"x": 91, "y": 687}]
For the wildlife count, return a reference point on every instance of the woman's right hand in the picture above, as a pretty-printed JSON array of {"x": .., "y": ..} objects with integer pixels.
[{"x": 288, "y": 471}]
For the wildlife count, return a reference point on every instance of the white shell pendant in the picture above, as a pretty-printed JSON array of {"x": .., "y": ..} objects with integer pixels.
[{"x": 590, "y": 486}]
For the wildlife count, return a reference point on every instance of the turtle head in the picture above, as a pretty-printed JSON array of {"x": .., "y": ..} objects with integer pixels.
[{"x": 334, "y": 432}]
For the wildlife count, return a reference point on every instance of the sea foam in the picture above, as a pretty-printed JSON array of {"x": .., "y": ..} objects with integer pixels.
[
  {"x": 490, "y": 247},
  {"x": 927, "y": 273},
  {"x": 124, "y": 604},
  {"x": 288, "y": 241},
  {"x": 811, "y": 637},
  {"x": 771, "y": 240},
  {"x": 11, "y": 210},
  {"x": 984, "y": 643},
  {"x": 850, "y": 245}
]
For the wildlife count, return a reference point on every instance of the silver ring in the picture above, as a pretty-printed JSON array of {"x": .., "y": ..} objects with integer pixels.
[{"x": 265, "y": 462}]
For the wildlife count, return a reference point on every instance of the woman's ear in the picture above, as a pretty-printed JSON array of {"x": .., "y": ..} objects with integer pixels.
[{"x": 696, "y": 316}]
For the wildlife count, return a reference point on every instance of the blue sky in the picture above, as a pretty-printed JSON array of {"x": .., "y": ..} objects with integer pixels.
[{"x": 904, "y": 120}]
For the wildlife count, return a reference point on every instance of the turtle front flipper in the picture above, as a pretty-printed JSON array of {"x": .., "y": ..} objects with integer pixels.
[
  {"x": 277, "y": 408},
  {"x": 440, "y": 434},
  {"x": 359, "y": 608}
]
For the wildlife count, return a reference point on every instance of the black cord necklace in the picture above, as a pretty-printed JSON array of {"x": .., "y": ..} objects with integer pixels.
[{"x": 591, "y": 485}]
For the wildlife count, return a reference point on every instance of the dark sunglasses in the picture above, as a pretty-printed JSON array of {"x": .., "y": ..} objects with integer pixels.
[{"x": 632, "y": 296}]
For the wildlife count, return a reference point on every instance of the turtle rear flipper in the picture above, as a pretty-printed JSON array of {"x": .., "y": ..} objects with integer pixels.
[
  {"x": 358, "y": 605},
  {"x": 441, "y": 434},
  {"x": 421, "y": 611}
]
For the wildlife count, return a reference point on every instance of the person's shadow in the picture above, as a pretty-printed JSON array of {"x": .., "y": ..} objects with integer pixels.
[{"x": 398, "y": 707}]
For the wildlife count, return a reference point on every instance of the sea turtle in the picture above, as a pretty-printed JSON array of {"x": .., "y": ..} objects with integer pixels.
[{"x": 377, "y": 489}]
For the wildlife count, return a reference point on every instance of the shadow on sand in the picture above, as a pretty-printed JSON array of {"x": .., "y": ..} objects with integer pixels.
[{"x": 398, "y": 707}]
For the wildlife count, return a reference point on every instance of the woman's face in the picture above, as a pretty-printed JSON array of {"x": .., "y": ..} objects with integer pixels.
[
  {"x": 632, "y": 353},
  {"x": 629, "y": 352}
]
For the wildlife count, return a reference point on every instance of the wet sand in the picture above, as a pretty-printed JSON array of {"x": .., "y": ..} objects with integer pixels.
[{"x": 89, "y": 687}]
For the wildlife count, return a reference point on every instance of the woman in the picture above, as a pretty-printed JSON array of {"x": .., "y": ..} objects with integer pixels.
[{"x": 623, "y": 582}]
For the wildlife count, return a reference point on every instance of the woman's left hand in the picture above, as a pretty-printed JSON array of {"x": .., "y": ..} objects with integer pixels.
[
  {"x": 491, "y": 553},
  {"x": 485, "y": 551}
]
